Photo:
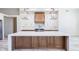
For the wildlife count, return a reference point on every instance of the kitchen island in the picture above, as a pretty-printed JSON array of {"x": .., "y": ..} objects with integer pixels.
[{"x": 38, "y": 40}]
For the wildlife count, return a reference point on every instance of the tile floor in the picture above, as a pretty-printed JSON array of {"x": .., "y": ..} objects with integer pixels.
[{"x": 3, "y": 45}]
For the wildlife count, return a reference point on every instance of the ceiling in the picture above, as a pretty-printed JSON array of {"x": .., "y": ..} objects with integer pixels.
[{"x": 10, "y": 11}]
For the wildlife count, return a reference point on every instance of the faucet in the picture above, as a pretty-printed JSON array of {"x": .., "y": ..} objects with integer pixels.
[{"x": 39, "y": 27}]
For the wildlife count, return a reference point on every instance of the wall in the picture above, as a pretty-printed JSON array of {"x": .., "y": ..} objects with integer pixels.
[
  {"x": 68, "y": 21},
  {"x": 77, "y": 12},
  {"x": 10, "y": 11},
  {"x": 8, "y": 25},
  {"x": 50, "y": 24},
  {"x": 28, "y": 23},
  {"x": 25, "y": 23}
]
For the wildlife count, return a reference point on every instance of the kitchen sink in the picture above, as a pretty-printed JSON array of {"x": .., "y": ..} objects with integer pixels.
[{"x": 39, "y": 30}]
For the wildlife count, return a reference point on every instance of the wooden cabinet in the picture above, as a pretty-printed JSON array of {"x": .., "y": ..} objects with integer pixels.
[
  {"x": 19, "y": 42},
  {"x": 38, "y": 42},
  {"x": 50, "y": 42},
  {"x": 42, "y": 42},
  {"x": 59, "y": 42},
  {"x": 22, "y": 42},
  {"x": 27, "y": 42},
  {"x": 35, "y": 42}
]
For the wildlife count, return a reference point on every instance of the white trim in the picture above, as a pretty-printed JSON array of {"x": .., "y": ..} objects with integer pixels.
[
  {"x": 9, "y": 43},
  {"x": 3, "y": 28}
]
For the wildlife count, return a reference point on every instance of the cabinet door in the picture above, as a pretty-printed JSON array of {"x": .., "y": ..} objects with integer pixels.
[
  {"x": 42, "y": 42},
  {"x": 50, "y": 42},
  {"x": 19, "y": 42},
  {"x": 27, "y": 42},
  {"x": 59, "y": 42},
  {"x": 35, "y": 42}
]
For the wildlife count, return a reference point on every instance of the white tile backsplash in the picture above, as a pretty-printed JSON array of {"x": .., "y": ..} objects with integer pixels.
[{"x": 50, "y": 24}]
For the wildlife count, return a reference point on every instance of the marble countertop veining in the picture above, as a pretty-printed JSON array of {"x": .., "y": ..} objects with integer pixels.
[{"x": 44, "y": 33}]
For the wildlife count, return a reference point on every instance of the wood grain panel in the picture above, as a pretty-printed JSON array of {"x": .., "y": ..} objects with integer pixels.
[
  {"x": 38, "y": 42},
  {"x": 50, "y": 42},
  {"x": 42, "y": 42},
  {"x": 27, "y": 42},
  {"x": 59, "y": 42},
  {"x": 35, "y": 42},
  {"x": 19, "y": 42}
]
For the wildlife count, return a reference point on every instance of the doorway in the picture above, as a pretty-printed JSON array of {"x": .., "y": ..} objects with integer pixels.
[{"x": 10, "y": 26}]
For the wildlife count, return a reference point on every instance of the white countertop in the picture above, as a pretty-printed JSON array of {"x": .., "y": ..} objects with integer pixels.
[{"x": 45, "y": 33}]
